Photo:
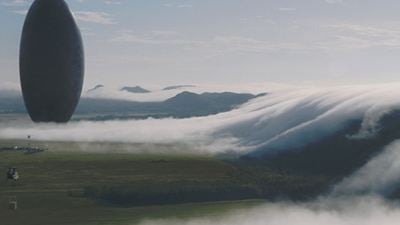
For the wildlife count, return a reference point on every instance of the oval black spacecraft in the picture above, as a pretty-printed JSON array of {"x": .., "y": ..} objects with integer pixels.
[{"x": 51, "y": 62}]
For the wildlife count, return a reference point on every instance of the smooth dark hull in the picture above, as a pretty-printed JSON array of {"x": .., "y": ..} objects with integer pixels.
[{"x": 51, "y": 62}]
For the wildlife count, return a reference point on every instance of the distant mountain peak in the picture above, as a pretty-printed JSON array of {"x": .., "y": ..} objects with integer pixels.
[
  {"x": 207, "y": 102},
  {"x": 96, "y": 87},
  {"x": 135, "y": 89}
]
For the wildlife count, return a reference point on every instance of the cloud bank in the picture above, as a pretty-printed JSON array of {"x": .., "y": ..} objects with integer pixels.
[
  {"x": 340, "y": 211},
  {"x": 283, "y": 119},
  {"x": 379, "y": 176}
]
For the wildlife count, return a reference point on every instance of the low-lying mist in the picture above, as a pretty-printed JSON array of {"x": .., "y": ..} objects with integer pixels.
[
  {"x": 283, "y": 119},
  {"x": 367, "y": 210}
]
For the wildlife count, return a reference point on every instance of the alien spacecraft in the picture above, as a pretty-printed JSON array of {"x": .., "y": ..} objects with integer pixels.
[{"x": 51, "y": 62}]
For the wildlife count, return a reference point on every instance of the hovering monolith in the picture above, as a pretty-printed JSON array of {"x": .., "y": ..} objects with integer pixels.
[{"x": 51, "y": 62}]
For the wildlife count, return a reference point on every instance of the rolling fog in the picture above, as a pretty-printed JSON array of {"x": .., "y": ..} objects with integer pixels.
[
  {"x": 285, "y": 118},
  {"x": 368, "y": 210}
]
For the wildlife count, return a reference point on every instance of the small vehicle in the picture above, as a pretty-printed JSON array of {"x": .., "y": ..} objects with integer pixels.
[{"x": 12, "y": 174}]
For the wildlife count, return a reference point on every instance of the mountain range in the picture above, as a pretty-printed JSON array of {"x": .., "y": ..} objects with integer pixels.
[
  {"x": 183, "y": 105},
  {"x": 135, "y": 89}
]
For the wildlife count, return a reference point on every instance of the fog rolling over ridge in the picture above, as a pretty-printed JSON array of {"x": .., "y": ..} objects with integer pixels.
[
  {"x": 362, "y": 122},
  {"x": 283, "y": 119}
]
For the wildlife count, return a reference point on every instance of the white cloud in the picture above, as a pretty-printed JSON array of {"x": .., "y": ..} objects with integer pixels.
[
  {"x": 9, "y": 86},
  {"x": 107, "y": 2},
  {"x": 21, "y": 12},
  {"x": 184, "y": 5},
  {"x": 336, "y": 37},
  {"x": 380, "y": 175},
  {"x": 369, "y": 31},
  {"x": 357, "y": 36},
  {"x": 218, "y": 43},
  {"x": 94, "y": 17},
  {"x": 248, "y": 44},
  {"x": 334, "y": 1},
  {"x": 16, "y": 2},
  {"x": 112, "y": 2},
  {"x": 155, "y": 38}
]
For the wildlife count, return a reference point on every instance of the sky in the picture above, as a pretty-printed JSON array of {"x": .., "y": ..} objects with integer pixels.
[{"x": 166, "y": 42}]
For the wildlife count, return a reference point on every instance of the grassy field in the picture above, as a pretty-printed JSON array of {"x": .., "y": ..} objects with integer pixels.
[
  {"x": 51, "y": 186},
  {"x": 66, "y": 185},
  {"x": 58, "y": 208}
]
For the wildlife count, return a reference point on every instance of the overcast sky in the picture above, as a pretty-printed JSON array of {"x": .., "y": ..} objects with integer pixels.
[{"x": 162, "y": 42}]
